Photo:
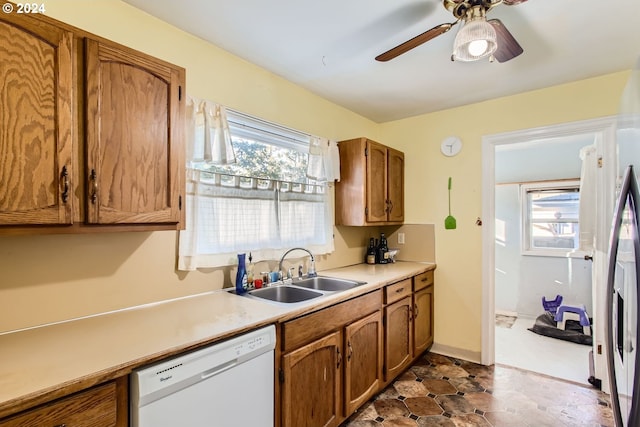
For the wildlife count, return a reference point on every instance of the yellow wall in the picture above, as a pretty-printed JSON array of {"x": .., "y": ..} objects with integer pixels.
[
  {"x": 52, "y": 278},
  {"x": 459, "y": 252}
]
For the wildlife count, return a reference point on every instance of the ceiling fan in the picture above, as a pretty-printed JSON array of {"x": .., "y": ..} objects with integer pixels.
[{"x": 477, "y": 39}]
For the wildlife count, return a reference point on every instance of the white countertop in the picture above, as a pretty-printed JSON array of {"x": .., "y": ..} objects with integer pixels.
[{"x": 39, "y": 361}]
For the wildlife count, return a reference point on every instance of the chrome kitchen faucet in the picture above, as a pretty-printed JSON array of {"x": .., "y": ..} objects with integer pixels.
[{"x": 311, "y": 272}]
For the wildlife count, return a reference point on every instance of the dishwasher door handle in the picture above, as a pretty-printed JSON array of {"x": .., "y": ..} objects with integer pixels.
[{"x": 218, "y": 369}]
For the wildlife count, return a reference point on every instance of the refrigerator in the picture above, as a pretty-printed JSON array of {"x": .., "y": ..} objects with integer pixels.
[{"x": 623, "y": 333}]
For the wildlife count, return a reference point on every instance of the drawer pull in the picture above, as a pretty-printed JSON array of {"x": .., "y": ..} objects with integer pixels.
[
  {"x": 61, "y": 425},
  {"x": 399, "y": 290},
  {"x": 424, "y": 279}
]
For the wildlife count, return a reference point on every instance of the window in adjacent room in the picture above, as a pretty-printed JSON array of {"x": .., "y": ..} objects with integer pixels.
[{"x": 550, "y": 218}]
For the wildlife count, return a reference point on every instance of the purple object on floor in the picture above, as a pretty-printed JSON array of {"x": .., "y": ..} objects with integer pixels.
[
  {"x": 552, "y": 305},
  {"x": 578, "y": 309}
]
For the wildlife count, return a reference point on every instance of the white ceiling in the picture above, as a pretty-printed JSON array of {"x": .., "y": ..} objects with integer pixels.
[{"x": 329, "y": 46}]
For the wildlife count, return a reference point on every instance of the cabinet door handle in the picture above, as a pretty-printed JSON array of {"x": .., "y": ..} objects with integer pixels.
[
  {"x": 65, "y": 184},
  {"x": 350, "y": 351},
  {"x": 339, "y": 358},
  {"x": 415, "y": 311},
  {"x": 93, "y": 176},
  {"x": 390, "y": 206}
]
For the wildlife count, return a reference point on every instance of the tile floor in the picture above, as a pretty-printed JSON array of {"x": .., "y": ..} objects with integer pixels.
[{"x": 441, "y": 391}]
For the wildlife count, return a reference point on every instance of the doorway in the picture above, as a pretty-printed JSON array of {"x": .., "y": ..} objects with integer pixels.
[{"x": 546, "y": 143}]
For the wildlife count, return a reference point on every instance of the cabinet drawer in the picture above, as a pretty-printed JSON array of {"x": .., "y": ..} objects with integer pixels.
[
  {"x": 96, "y": 407},
  {"x": 305, "y": 329},
  {"x": 423, "y": 280},
  {"x": 397, "y": 291}
]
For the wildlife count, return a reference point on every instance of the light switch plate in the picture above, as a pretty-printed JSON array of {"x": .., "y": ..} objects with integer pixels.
[{"x": 401, "y": 238}]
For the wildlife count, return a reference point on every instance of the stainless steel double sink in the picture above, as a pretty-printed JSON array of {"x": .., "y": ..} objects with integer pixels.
[{"x": 304, "y": 289}]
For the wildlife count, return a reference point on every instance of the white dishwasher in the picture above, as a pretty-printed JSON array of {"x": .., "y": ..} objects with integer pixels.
[{"x": 227, "y": 384}]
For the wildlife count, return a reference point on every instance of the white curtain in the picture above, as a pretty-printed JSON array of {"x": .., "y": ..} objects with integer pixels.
[
  {"x": 208, "y": 136},
  {"x": 324, "y": 160},
  {"x": 224, "y": 219},
  {"x": 587, "y": 214}
]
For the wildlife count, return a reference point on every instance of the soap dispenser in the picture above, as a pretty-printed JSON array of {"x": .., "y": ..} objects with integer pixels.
[{"x": 241, "y": 275}]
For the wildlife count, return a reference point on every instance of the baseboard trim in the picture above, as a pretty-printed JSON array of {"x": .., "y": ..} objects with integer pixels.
[
  {"x": 507, "y": 313},
  {"x": 458, "y": 353}
]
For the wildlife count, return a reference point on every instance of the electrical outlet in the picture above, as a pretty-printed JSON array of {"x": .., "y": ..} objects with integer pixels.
[{"x": 401, "y": 238}]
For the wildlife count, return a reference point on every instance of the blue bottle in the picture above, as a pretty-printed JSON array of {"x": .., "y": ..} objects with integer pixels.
[{"x": 241, "y": 275}]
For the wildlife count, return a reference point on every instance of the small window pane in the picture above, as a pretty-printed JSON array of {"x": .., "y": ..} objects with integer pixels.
[{"x": 552, "y": 218}]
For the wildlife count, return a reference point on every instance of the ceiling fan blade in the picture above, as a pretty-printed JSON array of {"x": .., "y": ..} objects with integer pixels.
[
  {"x": 508, "y": 47},
  {"x": 512, "y": 2},
  {"x": 415, "y": 42}
]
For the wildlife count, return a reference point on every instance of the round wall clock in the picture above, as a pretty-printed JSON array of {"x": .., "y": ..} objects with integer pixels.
[{"x": 451, "y": 146}]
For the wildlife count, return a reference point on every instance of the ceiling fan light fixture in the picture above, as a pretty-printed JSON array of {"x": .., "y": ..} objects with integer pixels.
[{"x": 476, "y": 39}]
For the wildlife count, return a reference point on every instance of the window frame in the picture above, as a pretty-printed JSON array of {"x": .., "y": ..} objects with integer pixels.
[{"x": 525, "y": 222}]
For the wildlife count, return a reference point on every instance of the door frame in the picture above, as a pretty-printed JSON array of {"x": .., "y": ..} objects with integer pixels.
[{"x": 604, "y": 135}]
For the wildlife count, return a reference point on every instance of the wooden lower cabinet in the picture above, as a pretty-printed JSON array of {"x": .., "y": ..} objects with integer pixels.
[
  {"x": 363, "y": 366},
  {"x": 311, "y": 392},
  {"x": 398, "y": 331},
  {"x": 333, "y": 360},
  {"x": 422, "y": 320},
  {"x": 101, "y": 406}
]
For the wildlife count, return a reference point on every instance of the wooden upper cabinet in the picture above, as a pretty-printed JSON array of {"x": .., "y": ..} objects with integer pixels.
[
  {"x": 135, "y": 160},
  {"x": 376, "y": 178},
  {"x": 371, "y": 186},
  {"x": 395, "y": 193},
  {"x": 36, "y": 145},
  {"x": 91, "y": 132}
]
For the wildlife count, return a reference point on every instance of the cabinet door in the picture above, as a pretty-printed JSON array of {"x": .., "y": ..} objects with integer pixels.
[
  {"x": 35, "y": 122},
  {"x": 97, "y": 407},
  {"x": 363, "y": 367},
  {"x": 396, "y": 185},
  {"x": 135, "y": 160},
  {"x": 398, "y": 350},
  {"x": 311, "y": 384},
  {"x": 422, "y": 320},
  {"x": 376, "y": 182}
]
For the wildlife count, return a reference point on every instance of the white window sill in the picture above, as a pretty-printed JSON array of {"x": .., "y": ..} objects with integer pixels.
[{"x": 557, "y": 253}]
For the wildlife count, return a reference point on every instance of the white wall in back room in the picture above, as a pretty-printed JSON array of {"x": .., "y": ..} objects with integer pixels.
[{"x": 522, "y": 280}]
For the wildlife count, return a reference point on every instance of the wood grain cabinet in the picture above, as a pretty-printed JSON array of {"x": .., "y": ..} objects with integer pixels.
[
  {"x": 135, "y": 160},
  {"x": 422, "y": 312},
  {"x": 398, "y": 328},
  {"x": 36, "y": 145},
  {"x": 363, "y": 365},
  {"x": 91, "y": 132},
  {"x": 101, "y": 406},
  {"x": 371, "y": 186},
  {"x": 311, "y": 386},
  {"x": 331, "y": 362}
]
